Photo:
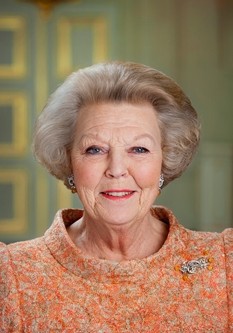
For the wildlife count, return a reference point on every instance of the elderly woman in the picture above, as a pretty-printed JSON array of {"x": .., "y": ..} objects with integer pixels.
[{"x": 115, "y": 134}]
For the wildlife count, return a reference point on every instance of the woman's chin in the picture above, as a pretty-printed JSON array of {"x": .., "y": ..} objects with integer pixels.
[{"x": 118, "y": 216}]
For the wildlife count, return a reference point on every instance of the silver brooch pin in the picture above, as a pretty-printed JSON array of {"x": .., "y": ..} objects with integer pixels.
[{"x": 193, "y": 266}]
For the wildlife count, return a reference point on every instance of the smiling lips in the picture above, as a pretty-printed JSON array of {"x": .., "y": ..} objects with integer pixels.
[{"x": 118, "y": 194}]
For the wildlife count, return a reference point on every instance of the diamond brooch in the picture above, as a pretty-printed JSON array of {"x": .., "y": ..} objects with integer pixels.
[{"x": 193, "y": 266}]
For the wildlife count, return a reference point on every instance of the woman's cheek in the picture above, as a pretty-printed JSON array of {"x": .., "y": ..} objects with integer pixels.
[
  {"x": 148, "y": 177},
  {"x": 86, "y": 196},
  {"x": 88, "y": 175}
]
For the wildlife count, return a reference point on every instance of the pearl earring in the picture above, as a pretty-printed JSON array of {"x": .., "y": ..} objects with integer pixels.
[
  {"x": 71, "y": 184},
  {"x": 161, "y": 181}
]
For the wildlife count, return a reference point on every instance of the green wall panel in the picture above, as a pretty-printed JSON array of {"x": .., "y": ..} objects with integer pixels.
[{"x": 6, "y": 121}]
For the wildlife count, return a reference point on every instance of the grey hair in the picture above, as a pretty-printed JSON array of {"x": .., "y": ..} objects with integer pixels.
[{"x": 117, "y": 82}]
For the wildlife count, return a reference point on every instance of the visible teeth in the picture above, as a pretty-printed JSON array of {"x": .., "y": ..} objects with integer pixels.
[{"x": 118, "y": 194}]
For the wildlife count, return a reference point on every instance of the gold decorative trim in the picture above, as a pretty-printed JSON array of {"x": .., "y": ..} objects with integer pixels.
[
  {"x": 18, "y": 102},
  {"x": 41, "y": 90},
  {"x": 41, "y": 93},
  {"x": 64, "y": 30},
  {"x": 18, "y": 225},
  {"x": 17, "y": 25}
]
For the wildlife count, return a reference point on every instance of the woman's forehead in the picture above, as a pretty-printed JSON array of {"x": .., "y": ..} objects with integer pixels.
[
  {"x": 104, "y": 113},
  {"x": 102, "y": 118}
]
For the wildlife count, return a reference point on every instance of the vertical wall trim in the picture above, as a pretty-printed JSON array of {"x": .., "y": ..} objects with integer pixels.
[
  {"x": 179, "y": 26},
  {"x": 41, "y": 89}
]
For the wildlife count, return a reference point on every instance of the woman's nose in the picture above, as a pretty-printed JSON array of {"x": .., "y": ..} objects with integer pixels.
[{"x": 117, "y": 165}]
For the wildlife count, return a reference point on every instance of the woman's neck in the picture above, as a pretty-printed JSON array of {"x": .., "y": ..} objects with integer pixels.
[{"x": 119, "y": 243}]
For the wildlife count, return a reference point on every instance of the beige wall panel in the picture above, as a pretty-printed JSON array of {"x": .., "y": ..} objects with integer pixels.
[
  {"x": 16, "y": 25},
  {"x": 64, "y": 196},
  {"x": 42, "y": 202},
  {"x": 18, "y": 103},
  {"x": 216, "y": 186},
  {"x": 97, "y": 44},
  {"x": 225, "y": 30},
  {"x": 18, "y": 224}
]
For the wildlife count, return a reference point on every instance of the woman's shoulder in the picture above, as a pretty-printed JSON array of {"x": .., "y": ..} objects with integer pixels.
[
  {"x": 166, "y": 215},
  {"x": 225, "y": 238},
  {"x": 25, "y": 251},
  {"x": 225, "y": 234},
  {"x": 219, "y": 244},
  {"x": 37, "y": 249},
  {"x": 18, "y": 261},
  {"x": 216, "y": 250}
]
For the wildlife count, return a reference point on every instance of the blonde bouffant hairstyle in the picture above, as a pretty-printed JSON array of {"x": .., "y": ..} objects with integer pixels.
[{"x": 117, "y": 82}]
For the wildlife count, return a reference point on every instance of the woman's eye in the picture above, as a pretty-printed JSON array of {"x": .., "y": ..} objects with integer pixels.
[
  {"x": 140, "y": 150},
  {"x": 93, "y": 150}
]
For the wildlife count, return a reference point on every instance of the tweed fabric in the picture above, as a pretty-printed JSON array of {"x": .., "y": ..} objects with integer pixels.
[{"x": 48, "y": 285}]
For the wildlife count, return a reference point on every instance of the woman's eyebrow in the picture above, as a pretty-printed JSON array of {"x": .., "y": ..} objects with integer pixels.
[
  {"x": 91, "y": 136},
  {"x": 144, "y": 136},
  {"x": 100, "y": 138}
]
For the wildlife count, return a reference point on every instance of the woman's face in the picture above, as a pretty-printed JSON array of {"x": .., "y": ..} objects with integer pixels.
[{"x": 116, "y": 161}]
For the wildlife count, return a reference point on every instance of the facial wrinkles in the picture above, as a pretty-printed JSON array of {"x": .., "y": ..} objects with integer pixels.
[
  {"x": 145, "y": 193},
  {"x": 92, "y": 195},
  {"x": 118, "y": 143},
  {"x": 101, "y": 120},
  {"x": 117, "y": 132},
  {"x": 117, "y": 137}
]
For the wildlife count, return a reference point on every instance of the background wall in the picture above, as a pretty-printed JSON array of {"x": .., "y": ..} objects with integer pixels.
[{"x": 190, "y": 40}]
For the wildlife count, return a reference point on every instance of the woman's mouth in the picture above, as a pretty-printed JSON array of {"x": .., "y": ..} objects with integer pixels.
[{"x": 117, "y": 194}]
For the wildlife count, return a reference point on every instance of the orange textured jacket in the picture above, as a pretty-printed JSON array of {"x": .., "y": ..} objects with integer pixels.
[{"x": 48, "y": 285}]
